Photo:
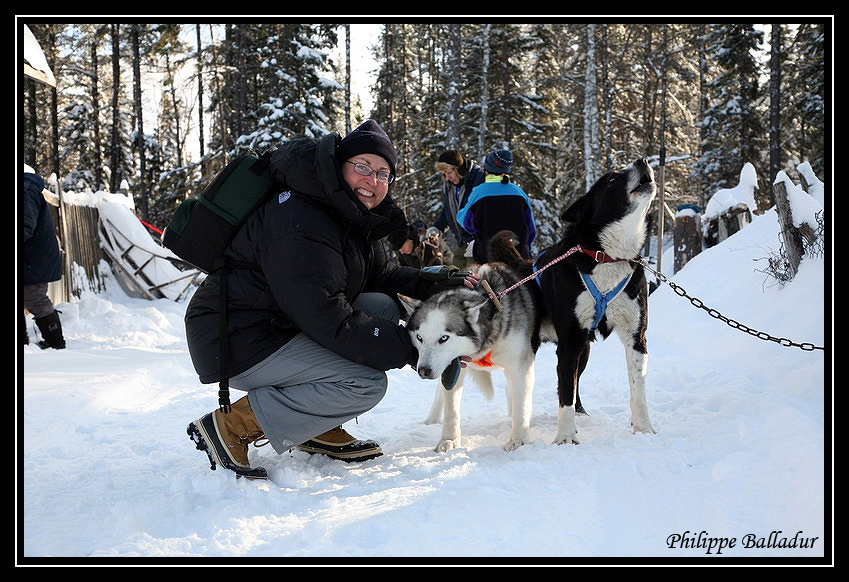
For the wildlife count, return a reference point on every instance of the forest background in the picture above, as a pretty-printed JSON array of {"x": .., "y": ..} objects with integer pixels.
[{"x": 154, "y": 110}]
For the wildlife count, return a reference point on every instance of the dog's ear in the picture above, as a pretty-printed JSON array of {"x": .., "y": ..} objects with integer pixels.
[
  {"x": 409, "y": 303},
  {"x": 576, "y": 210},
  {"x": 474, "y": 308}
]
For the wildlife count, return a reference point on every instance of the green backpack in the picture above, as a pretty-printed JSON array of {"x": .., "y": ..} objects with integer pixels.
[{"x": 203, "y": 227}]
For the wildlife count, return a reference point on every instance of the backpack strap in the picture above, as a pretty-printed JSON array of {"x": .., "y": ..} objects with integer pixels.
[
  {"x": 223, "y": 336},
  {"x": 258, "y": 168},
  {"x": 223, "y": 342}
]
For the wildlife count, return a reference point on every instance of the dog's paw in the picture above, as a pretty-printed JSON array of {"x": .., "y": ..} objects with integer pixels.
[
  {"x": 643, "y": 427},
  {"x": 512, "y": 445},
  {"x": 433, "y": 419},
  {"x": 446, "y": 445},
  {"x": 567, "y": 440}
]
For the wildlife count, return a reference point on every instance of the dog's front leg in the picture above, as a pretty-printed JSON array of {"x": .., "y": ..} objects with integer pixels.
[
  {"x": 435, "y": 414},
  {"x": 567, "y": 431},
  {"x": 570, "y": 363},
  {"x": 637, "y": 365},
  {"x": 520, "y": 385},
  {"x": 451, "y": 416}
]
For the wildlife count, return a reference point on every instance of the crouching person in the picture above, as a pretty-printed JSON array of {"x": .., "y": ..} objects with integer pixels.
[{"x": 312, "y": 333}]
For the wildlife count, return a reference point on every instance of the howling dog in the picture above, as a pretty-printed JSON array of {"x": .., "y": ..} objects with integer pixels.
[
  {"x": 497, "y": 336},
  {"x": 598, "y": 288}
]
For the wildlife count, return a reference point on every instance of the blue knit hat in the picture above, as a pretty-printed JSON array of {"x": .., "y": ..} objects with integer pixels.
[
  {"x": 368, "y": 138},
  {"x": 499, "y": 162}
]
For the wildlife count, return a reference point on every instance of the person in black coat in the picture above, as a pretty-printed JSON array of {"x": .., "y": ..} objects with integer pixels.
[
  {"x": 312, "y": 334},
  {"x": 42, "y": 263}
]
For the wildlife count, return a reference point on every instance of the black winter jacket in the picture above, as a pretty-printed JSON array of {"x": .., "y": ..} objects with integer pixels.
[
  {"x": 42, "y": 259},
  {"x": 315, "y": 244}
]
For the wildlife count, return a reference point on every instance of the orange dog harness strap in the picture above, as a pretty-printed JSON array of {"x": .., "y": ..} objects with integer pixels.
[{"x": 485, "y": 362}]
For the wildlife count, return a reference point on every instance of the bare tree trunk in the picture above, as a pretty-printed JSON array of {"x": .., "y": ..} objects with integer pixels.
[
  {"x": 452, "y": 129},
  {"x": 590, "y": 112},
  {"x": 137, "y": 104},
  {"x": 607, "y": 100},
  {"x": 199, "y": 58},
  {"x": 484, "y": 93},
  {"x": 95, "y": 107},
  {"x": 774, "y": 107},
  {"x": 347, "y": 79},
  {"x": 172, "y": 92},
  {"x": 661, "y": 169},
  {"x": 115, "y": 144},
  {"x": 54, "y": 100},
  {"x": 703, "y": 104}
]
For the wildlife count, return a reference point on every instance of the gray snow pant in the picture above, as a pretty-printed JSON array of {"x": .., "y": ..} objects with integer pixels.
[
  {"x": 36, "y": 300},
  {"x": 303, "y": 389}
]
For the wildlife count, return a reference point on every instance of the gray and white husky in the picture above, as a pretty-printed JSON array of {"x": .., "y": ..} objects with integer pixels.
[{"x": 466, "y": 322}]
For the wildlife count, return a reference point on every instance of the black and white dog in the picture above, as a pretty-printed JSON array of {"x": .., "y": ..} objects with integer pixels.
[{"x": 598, "y": 289}]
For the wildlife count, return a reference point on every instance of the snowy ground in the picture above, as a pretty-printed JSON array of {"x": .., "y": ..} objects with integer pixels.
[{"x": 743, "y": 448}]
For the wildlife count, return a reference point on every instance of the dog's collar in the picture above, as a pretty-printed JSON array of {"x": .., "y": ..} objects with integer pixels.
[
  {"x": 597, "y": 256},
  {"x": 600, "y": 256}
]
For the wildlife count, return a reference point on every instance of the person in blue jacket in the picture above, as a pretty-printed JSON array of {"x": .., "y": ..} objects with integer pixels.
[
  {"x": 498, "y": 204},
  {"x": 42, "y": 263}
]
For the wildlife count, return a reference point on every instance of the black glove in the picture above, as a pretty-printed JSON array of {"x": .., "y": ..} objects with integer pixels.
[
  {"x": 451, "y": 374},
  {"x": 443, "y": 277}
]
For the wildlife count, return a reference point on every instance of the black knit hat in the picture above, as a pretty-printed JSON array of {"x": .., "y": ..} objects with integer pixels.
[
  {"x": 499, "y": 162},
  {"x": 368, "y": 138}
]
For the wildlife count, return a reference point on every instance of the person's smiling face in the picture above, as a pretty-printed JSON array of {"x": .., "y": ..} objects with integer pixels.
[{"x": 369, "y": 189}]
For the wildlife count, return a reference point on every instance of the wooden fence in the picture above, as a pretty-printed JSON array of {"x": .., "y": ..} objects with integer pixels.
[
  {"x": 76, "y": 227},
  {"x": 690, "y": 236}
]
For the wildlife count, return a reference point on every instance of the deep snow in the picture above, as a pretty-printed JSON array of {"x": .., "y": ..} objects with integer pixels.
[{"x": 744, "y": 446}]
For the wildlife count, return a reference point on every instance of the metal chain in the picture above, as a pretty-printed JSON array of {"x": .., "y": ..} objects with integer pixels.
[{"x": 807, "y": 346}]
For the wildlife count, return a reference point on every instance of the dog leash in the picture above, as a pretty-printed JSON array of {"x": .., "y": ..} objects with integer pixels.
[{"x": 598, "y": 256}]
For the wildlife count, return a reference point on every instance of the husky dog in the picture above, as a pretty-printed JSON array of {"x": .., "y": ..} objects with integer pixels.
[
  {"x": 599, "y": 288},
  {"x": 466, "y": 322}
]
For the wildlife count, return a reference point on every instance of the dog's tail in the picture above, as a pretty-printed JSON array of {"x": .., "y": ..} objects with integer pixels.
[{"x": 504, "y": 248}]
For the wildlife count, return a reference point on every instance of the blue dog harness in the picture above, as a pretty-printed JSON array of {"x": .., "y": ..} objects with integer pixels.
[{"x": 602, "y": 299}]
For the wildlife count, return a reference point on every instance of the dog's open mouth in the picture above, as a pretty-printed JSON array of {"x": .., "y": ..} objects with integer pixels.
[{"x": 646, "y": 182}]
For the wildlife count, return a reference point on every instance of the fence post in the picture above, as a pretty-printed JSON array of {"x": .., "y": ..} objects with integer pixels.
[
  {"x": 789, "y": 233},
  {"x": 687, "y": 236}
]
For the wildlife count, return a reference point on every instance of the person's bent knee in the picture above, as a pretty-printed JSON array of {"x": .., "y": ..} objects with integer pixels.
[
  {"x": 372, "y": 389},
  {"x": 378, "y": 305}
]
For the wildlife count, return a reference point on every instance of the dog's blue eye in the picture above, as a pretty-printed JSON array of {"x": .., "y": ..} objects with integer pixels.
[
  {"x": 419, "y": 338},
  {"x": 443, "y": 339}
]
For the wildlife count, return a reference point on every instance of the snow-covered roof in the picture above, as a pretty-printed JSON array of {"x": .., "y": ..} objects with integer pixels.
[{"x": 35, "y": 65}]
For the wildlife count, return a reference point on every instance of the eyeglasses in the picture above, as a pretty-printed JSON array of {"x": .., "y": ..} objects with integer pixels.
[{"x": 364, "y": 170}]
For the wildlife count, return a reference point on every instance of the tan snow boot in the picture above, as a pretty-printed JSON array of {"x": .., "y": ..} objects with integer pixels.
[
  {"x": 225, "y": 438},
  {"x": 338, "y": 444}
]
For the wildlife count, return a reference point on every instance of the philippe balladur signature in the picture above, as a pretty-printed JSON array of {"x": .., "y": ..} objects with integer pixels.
[{"x": 704, "y": 540}]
